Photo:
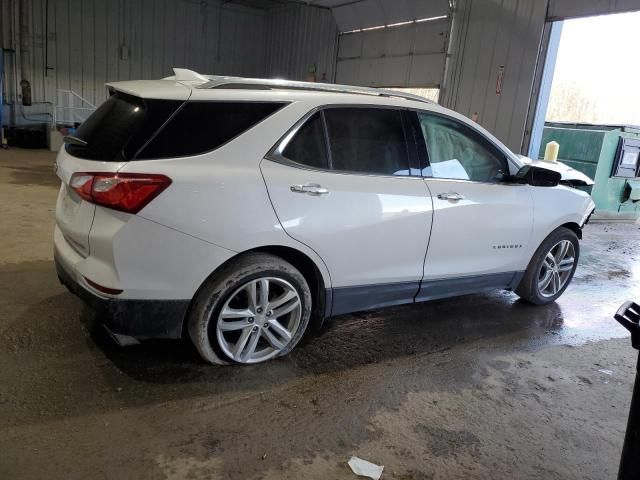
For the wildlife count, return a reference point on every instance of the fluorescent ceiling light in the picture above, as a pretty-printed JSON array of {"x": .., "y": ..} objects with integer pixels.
[{"x": 392, "y": 25}]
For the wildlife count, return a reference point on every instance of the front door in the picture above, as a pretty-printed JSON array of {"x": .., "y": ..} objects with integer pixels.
[
  {"x": 481, "y": 224},
  {"x": 354, "y": 203}
]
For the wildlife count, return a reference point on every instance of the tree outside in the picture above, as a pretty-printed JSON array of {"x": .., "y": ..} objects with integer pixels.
[{"x": 596, "y": 74}]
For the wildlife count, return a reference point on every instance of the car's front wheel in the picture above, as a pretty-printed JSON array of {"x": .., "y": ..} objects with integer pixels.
[
  {"x": 254, "y": 309},
  {"x": 551, "y": 269}
]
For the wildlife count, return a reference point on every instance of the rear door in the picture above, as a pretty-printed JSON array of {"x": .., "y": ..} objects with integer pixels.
[
  {"x": 340, "y": 184},
  {"x": 481, "y": 224},
  {"x": 105, "y": 142}
]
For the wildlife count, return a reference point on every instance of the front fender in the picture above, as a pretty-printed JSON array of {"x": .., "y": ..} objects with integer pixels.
[{"x": 554, "y": 207}]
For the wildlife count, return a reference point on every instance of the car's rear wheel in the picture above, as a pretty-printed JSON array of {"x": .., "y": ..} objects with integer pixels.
[
  {"x": 551, "y": 269},
  {"x": 254, "y": 309}
]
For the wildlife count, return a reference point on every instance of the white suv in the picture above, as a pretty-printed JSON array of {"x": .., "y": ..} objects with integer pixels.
[{"x": 243, "y": 211}]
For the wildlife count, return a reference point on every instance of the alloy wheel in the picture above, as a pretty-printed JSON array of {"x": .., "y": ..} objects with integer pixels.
[
  {"x": 259, "y": 320},
  {"x": 556, "y": 268}
]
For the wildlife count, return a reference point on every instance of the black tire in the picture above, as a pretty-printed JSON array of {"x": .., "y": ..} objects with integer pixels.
[
  {"x": 218, "y": 288},
  {"x": 528, "y": 289}
]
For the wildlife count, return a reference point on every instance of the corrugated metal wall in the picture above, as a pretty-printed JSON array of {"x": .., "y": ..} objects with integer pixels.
[
  {"x": 81, "y": 44},
  {"x": 489, "y": 36},
  {"x": 91, "y": 42},
  {"x": 299, "y": 39},
  {"x": 5, "y": 24}
]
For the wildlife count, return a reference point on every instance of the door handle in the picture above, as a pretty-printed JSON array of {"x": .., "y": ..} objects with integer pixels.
[
  {"x": 453, "y": 196},
  {"x": 310, "y": 189}
]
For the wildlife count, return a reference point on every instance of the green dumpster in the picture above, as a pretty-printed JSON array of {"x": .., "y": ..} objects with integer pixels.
[{"x": 606, "y": 154}]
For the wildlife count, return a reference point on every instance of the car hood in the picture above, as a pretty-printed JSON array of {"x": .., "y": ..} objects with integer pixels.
[{"x": 569, "y": 175}]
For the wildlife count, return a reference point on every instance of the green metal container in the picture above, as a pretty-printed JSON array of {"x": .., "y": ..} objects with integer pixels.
[{"x": 592, "y": 149}]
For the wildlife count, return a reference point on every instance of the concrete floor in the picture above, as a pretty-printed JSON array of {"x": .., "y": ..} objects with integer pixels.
[{"x": 475, "y": 387}]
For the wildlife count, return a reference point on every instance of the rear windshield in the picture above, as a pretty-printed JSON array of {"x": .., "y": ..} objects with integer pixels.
[
  {"x": 131, "y": 128},
  {"x": 120, "y": 127}
]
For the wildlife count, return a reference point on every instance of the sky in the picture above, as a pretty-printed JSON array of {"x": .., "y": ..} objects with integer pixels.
[{"x": 598, "y": 59}]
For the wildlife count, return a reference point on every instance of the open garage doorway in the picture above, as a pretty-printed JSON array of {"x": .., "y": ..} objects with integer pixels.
[
  {"x": 596, "y": 78},
  {"x": 590, "y": 76},
  {"x": 589, "y": 103},
  {"x": 432, "y": 94}
]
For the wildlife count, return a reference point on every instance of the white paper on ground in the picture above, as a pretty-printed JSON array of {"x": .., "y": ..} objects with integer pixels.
[{"x": 365, "y": 469}]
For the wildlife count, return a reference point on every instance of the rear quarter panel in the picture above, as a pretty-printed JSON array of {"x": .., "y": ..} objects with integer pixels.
[{"x": 220, "y": 197}]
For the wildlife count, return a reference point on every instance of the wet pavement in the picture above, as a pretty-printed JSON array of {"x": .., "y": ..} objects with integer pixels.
[{"x": 472, "y": 387}]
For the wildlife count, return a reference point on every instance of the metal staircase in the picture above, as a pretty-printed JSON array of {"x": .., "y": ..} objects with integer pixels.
[{"x": 71, "y": 108}]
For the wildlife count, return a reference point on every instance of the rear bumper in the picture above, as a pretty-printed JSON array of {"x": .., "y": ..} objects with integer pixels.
[{"x": 136, "y": 318}]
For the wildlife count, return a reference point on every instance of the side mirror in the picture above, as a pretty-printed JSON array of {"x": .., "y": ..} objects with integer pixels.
[{"x": 537, "y": 176}]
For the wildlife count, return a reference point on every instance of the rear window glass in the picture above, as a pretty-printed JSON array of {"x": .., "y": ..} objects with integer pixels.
[
  {"x": 200, "y": 127},
  {"x": 128, "y": 128},
  {"x": 308, "y": 147},
  {"x": 120, "y": 127},
  {"x": 367, "y": 140}
]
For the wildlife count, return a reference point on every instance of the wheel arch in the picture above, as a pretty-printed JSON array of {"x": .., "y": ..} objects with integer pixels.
[
  {"x": 320, "y": 291},
  {"x": 574, "y": 227}
]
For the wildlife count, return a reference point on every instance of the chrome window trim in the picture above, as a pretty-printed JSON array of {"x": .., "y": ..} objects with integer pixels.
[
  {"x": 290, "y": 163},
  {"x": 461, "y": 180}
]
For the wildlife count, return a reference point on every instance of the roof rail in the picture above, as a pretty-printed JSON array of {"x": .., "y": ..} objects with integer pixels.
[
  {"x": 219, "y": 81},
  {"x": 271, "y": 83}
]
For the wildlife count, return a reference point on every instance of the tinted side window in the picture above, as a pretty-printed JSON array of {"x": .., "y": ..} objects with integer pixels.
[
  {"x": 200, "y": 127},
  {"x": 120, "y": 126},
  {"x": 368, "y": 140},
  {"x": 308, "y": 146},
  {"x": 459, "y": 152}
]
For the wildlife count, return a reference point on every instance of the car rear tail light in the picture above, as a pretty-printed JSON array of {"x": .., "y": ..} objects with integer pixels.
[{"x": 127, "y": 192}]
